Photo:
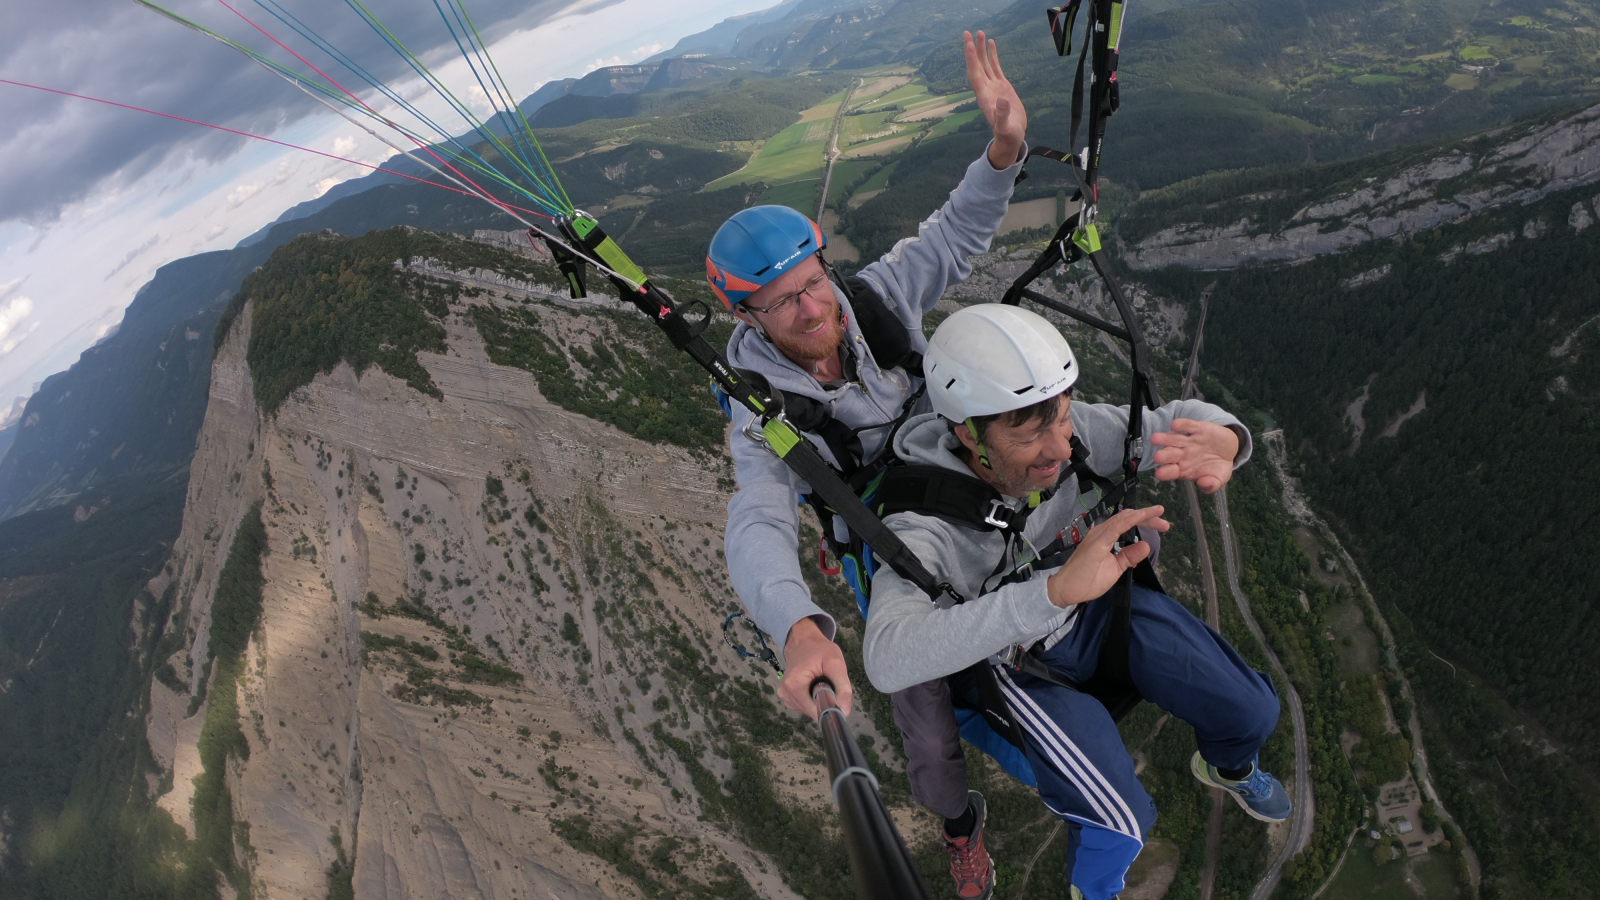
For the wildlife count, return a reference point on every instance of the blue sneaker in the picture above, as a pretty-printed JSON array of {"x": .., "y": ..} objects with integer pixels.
[{"x": 1260, "y": 794}]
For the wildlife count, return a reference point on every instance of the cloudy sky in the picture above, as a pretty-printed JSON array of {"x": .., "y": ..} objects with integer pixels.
[{"x": 95, "y": 199}]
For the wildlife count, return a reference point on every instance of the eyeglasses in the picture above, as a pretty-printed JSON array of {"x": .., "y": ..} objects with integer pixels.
[{"x": 784, "y": 301}]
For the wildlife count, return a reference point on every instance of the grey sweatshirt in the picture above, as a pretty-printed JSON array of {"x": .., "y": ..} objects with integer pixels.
[
  {"x": 909, "y": 640},
  {"x": 763, "y": 520}
]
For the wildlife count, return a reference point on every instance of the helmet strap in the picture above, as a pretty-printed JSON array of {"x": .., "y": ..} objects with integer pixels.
[
  {"x": 754, "y": 321},
  {"x": 983, "y": 452}
]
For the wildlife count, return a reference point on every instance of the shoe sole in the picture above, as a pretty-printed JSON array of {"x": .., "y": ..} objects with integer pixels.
[{"x": 1197, "y": 767}]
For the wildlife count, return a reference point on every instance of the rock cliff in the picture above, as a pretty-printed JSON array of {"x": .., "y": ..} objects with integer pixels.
[
  {"x": 1510, "y": 167},
  {"x": 488, "y": 637}
]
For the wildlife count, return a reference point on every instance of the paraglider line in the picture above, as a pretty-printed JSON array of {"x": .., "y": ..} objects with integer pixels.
[
  {"x": 258, "y": 137},
  {"x": 347, "y": 92}
]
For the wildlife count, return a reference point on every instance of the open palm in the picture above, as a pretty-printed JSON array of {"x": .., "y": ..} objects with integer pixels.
[{"x": 996, "y": 98}]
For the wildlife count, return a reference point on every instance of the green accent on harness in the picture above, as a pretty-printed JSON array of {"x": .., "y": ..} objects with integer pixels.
[
  {"x": 780, "y": 436},
  {"x": 607, "y": 249},
  {"x": 1087, "y": 238},
  {"x": 983, "y": 452},
  {"x": 1034, "y": 498},
  {"x": 1117, "y": 10}
]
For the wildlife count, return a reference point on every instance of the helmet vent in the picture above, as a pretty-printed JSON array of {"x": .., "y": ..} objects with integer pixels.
[
  {"x": 804, "y": 242},
  {"x": 1020, "y": 391},
  {"x": 760, "y": 270},
  {"x": 948, "y": 383}
]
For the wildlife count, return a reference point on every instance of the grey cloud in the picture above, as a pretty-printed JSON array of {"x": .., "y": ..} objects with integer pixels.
[
  {"x": 12, "y": 288},
  {"x": 60, "y": 150},
  {"x": 134, "y": 254}
]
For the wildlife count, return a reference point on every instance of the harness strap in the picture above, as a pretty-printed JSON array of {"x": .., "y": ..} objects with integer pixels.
[
  {"x": 809, "y": 415},
  {"x": 957, "y": 498},
  {"x": 573, "y": 269}
]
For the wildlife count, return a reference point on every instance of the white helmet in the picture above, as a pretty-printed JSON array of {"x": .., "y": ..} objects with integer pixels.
[{"x": 990, "y": 358}]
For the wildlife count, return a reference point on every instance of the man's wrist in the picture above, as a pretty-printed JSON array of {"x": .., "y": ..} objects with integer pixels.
[
  {"x": 803, "y": 629},
  {"x": 1239, "y": 437},
  {"x": 1058, "y": 591},
  {"x": 1003, "y": 154}
]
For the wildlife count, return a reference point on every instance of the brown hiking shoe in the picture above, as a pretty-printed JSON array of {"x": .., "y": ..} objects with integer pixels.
[{"x": 970, "y": 865}]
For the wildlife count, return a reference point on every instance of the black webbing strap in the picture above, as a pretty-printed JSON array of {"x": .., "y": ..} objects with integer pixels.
[
  {"x": 574, "y": 269},
  {"x": 1077, "y": 88},
  {"x": 951, "y": 496},
  {"x": 810, "y": 415},
  {"x": 885, "y": 544}
]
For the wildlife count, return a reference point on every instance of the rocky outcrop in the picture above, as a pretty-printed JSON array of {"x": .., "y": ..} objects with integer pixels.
[
  {"x": 405, "y": 535},
  {"x": 1449, "y": 188}
]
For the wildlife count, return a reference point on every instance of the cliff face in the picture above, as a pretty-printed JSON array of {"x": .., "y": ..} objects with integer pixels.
[
  {"x": 1500, "y": 170},
  {"x": 486, "y": 623}
]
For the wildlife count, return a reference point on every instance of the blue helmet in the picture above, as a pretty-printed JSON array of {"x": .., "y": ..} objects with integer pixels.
[{"x": 757, "y": 245}]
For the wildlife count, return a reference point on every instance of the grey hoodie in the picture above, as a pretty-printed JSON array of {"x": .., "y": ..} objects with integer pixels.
[
  {"x": 763, "y": 519},
  {"x": 909, "y": 640}
]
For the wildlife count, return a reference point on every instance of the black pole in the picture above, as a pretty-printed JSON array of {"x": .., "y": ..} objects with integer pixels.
[{"x": 879, "y": 861}]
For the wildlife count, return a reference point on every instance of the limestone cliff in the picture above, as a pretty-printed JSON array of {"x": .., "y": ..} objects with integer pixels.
[
  {"x": 1511, "y": 167},
  {"x": 488, "y": 638}
]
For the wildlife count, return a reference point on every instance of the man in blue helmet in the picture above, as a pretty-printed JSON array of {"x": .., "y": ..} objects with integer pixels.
[{"x": 800, "y": 330}]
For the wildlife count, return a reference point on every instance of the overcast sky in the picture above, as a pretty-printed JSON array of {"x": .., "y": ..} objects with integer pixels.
[{"x": 94, "y": 199}]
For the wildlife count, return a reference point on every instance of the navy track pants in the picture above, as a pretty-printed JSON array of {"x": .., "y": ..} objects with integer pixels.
[{"x": 1085, "y": 774}]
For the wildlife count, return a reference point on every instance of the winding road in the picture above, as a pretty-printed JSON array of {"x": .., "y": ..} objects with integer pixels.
[
  {"x": 1298, "y": 507},
  {"x": 1301, "y": 820},
  {"x": 1208, "y": 579},
  {"x": 1304, "y": 815}
]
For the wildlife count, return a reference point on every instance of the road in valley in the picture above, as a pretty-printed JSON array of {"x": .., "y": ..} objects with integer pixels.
[
  {"x": 1295, "y": 502},
  {"x": 1208, "y": 578},
  {"x": 1300, "y": 822},
  {"x": 831, "y": 152}
]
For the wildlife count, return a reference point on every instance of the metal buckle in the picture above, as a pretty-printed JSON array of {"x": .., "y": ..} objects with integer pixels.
[
  {"x": 1013, "y": 655},
  {"x": 753, "y": 429},
  {"x": 1126, "y": 540},
  {"x": 992, "y": 517}
]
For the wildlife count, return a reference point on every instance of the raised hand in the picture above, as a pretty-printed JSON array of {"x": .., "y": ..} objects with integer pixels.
[
  {"x": 1093, "y": 568},
  {"x": 1202, "y": 452},
  {"x": 996, "y": 98},
  {"x": 807, "y": 655}
]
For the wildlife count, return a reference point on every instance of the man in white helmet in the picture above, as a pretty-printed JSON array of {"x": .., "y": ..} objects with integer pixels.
[{"x": 1000, "y": 380}]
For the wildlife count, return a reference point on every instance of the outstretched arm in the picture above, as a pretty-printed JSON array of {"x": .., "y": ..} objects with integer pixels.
[
  {"x": 1194, "y": 423},
  {"x": 997, "y": 99},
  {"x": 915, "y": 274}
]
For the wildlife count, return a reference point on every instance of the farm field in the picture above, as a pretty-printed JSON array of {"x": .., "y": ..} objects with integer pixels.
[{"x": 887, "y": 111}]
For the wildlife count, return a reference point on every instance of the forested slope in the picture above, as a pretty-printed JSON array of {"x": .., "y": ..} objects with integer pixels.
[{"x": 1442, "y": 397}]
